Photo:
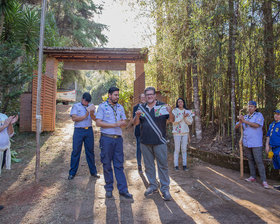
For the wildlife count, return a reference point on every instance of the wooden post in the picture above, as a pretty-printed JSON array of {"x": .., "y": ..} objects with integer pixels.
[
  {"x": 139, "y": 83},
  {"x": 38, "y": 105}
]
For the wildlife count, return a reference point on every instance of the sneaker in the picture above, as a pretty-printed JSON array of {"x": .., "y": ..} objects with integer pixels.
[
  {"x": 1, "y": 207},
  {"x": 176, "y": 168},
  {"x": 265, "y": 185},
  {"x": 185, "y": 168},
  {"x": 166, "y": 196},
  {"x": 277, "y": 187},
  {"x": 251, "y": 179},
  {"x": 150, "y": 191}
]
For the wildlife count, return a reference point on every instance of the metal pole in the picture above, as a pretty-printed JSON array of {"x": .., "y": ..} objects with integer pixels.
[{"x": 38, "y": 103}]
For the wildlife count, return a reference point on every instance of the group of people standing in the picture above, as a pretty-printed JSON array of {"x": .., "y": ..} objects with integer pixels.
[{"x": 149, "y": 118}]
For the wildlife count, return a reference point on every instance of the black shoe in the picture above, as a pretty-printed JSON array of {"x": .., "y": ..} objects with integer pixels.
[
  {"x": 127, "y": 195},
  {"x": 176, "y": 168},
  {"x": 95, "y": 175},
  {"x": 1, "y": 207},
  {"x": 185, "y": 168},
  {"x": 109, "y": 194},
  {"x": 140, "y": 169},
  {"x": 166, "y": 196},
  {"x": 71, "y": 177}
]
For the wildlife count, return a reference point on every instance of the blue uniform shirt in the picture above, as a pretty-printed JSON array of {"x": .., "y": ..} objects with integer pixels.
[
  {"x": 81, "y": 110},
  {"x": 110, "y": 115},
  {"x": 253, "y": 137},
  {"x": 274, "y": 134}
]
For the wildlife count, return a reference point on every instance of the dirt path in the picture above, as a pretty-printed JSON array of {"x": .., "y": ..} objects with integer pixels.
[{"x": 204, "y": 194}]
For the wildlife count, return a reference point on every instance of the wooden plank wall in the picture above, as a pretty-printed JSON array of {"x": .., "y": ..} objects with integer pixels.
[
  {"x": 25, "y": 112},
  {"x": 48, "y": 103}
]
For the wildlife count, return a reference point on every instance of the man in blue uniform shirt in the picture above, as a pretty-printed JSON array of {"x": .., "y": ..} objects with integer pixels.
[
  {"x": 273, "y": 142},
  {"x": 273, "y": 139},
  {"x": 82, "y": 114},
  {"x": 111, "y": 118}
]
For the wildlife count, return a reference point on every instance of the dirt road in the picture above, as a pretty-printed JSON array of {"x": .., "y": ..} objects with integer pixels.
[{"x": 204, "y": 194}]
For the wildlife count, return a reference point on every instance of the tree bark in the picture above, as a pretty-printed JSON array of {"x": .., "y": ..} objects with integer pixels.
[
  {"x": 231, "y": 52},
  {"x": 269, "y": 65},
  {"x": 198, "y": 129}
]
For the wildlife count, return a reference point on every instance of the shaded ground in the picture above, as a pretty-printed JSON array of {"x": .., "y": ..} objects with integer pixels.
[{"x": 204, "y": 194}]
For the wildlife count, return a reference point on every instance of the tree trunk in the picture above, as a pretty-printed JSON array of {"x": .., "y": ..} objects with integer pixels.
[
  {"x": 231, "y": 52},
  {"x": 159, "y": 39},
  {"x": 269, "y": 65},
  {"x": 198, "y": 129}
]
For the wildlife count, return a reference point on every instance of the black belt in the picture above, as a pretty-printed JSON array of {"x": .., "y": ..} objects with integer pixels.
[{"x": 111, "y": 136}]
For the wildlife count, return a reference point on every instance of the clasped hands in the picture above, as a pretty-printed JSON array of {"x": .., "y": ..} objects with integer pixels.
[{"x": 10, "y": 120}]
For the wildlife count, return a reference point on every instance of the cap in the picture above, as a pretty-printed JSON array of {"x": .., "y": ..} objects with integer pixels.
[
  {"x": 252, "y": 103},
  {"x": 277, "y": 111}
]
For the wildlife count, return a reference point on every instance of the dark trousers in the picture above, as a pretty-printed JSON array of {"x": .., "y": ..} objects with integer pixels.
[
  {"x": 112, "y": 151},
  {"x": 138, "y": 150},
  {"x": 82, "y": 136}
]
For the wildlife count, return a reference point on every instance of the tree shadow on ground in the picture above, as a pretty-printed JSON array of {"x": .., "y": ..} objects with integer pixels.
[
  {"x": 220, "y": 197},
  {"x": 169, "y": 211},
  {"x": 25, "y": 146}
]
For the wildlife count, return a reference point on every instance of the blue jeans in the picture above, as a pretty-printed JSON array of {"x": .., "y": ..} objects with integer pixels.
[
  {"x": 82, "y": 136},
  {"x": 112, "y": 151},
  {"x": 138, "y": 150}
]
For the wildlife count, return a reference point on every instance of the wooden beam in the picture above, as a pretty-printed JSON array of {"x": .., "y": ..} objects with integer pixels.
[{"x": 82, "y": 65}]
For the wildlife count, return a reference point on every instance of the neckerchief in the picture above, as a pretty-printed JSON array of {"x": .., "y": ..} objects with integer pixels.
[
  {"x": 274, "y": 122},
  {"x": 115, "y": 111}
]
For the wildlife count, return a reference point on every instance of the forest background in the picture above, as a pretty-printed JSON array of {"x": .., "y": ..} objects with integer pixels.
[{"x": 216, "y": 54}]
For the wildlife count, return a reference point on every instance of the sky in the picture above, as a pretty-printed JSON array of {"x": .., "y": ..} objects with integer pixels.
[{"x": 125, "y": 30}]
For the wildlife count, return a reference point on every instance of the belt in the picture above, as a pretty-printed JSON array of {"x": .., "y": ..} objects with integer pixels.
[
  {"x": 85, "y": 127},
  {"x": 111, "y": 136}
]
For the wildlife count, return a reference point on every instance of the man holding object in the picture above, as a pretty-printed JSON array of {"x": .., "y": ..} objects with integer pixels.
[{"x": 153, "y": 142}]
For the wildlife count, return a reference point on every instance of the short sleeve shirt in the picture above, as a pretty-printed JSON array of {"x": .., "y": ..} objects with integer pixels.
[
  {"x": 253, "y": 137},
  {"x": 274, "y": 134},
  {"x": 110, "y": 114},
  {"x": 80, "y": 110},
  {"x": 4, "y": 136},
  {"x": 147, "y": 134}
]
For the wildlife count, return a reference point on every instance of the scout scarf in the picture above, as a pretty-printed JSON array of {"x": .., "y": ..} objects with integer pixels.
[{"x": 153, "y": 124}]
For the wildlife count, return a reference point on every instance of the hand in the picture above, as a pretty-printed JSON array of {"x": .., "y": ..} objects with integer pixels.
[
  {"x": 14, "y": 120},
  {"x": 86, "y": 114},
  {"x": 138, "y": 113},
  {"x": 186, "y": 114},
  {"x": 8, "y": 121},
  {"x": 91, "y": 108},
  {"x": 120, "y": 123},
  {"x": 241, "y": 118},
  {"x": 168, "y": 108}
]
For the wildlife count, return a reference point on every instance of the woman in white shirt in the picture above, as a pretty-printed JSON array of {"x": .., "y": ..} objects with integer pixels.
[
  {"x": 6, "y": 131},
  {"x": 183, "y": 118}
]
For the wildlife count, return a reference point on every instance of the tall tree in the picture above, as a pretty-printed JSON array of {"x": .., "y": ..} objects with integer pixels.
[
  {"x": 75, "y": 20},
  {"x": 269, "y": 65},
  {"x": 231, "y": 65}
]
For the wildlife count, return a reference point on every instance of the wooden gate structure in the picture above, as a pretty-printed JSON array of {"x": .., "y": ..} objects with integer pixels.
[{"x": 75, "y": 58}]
